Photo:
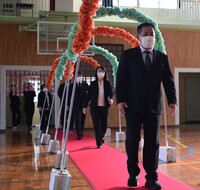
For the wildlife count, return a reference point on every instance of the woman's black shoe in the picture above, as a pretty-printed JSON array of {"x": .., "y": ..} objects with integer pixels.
[{"x": 133, "y": 181}]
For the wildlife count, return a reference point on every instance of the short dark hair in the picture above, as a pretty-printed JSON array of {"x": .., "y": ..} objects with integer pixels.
[
  {"x": 80, "y": 73},
  {"x": 42, "y": 86},
  {"x": 139, "y": 28},
  {"x": 13, "y": 85}
]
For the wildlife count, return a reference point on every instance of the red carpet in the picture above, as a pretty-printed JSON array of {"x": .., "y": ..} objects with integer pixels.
[{"x": 105, "y": 168}]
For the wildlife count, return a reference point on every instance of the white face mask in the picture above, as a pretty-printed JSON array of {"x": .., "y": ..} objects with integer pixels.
[
  {"x": 45, "y": 90},
  {"x": 147, "y": 42},
  {"x": 79, "y": 79},
  {"x": 100, "y": 75}
]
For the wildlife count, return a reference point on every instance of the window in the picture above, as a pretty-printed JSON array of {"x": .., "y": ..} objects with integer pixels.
[
  {"x": 36, "y": 84},
  {"x": 89, "y": 79},
  {"x": 125, "y": 3},
  {"x": 169, "y": 4},
  {"x": 162, "y": 4},
  {"x": 89, "y": 71}
]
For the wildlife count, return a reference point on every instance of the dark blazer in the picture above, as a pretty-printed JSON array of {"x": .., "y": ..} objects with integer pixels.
[
  {"x": 139, "y": 91},
  {"x": 14, "y": 101},
  {"x": 60, "y": 94},
  {"x": 80, "y": 94},
  {"x": 29, "y": 98},
  {"x": 94, "y": 91},
  {"x": 41, "y": 98},
  {"x": 60, "y": 90}
]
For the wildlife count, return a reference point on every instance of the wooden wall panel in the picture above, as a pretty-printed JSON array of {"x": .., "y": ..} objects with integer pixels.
[{"x": 19, "y": 48}]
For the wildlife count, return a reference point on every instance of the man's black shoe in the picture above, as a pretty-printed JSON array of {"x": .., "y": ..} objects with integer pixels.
[
  {"x": 133, "y": 181},
  {"x": 79, "y": 137},
  {"x": 153, "y": 185},
  {"x": 99, "y": 146}
]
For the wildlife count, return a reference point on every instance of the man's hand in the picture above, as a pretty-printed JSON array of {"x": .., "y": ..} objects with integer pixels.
[
  {"x": 40, "y": 109},
  {"x": 111, "y": 101},
  {"x": 85, "y": 111},
  {"x": 121, "y": 107},
  {"x": 173, "y": 108}
]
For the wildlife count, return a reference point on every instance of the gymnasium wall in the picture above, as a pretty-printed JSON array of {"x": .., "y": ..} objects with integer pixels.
[{"x": 19, "y": 48}]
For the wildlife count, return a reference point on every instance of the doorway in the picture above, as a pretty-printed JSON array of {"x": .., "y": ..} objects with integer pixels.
[
  {"x": 187, "y": 82},
  {"x": 20, "y": 75}
]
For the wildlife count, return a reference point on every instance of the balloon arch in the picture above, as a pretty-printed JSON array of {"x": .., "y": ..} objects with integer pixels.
[{"x": 82, "y": 32}]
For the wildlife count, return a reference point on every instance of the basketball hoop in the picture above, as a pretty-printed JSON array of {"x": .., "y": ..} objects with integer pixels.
[{"x": 52, "y": 37}]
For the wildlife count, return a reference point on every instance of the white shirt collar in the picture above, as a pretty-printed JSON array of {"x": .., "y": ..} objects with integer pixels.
[{"x": 142, "y": 49}]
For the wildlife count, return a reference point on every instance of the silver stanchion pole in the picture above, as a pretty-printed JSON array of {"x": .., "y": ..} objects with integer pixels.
[
  {"x": 37, "y": 131},
  {"x": 54, "y": 144},
  {"x": 59, "y": 153},
  {"x": 61, "y": 177},
  {"x": 167, "y": 153},
  {"x": 45, "y": 139},
  {"x": 66, "y": 101},
  {"x": 50, "y": 114},
  {"x": 120, "y": 136},
  {"x": 70, "y": 114},
  {"x": 165, "y": 122}
]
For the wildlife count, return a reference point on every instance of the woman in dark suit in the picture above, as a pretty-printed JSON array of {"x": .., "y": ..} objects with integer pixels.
[
  {"x": 15, "y": 106},
  {"x": 100, "y": 96}
]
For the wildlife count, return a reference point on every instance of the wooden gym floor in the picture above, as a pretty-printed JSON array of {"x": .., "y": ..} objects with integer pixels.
[{"x": 26, "y": 165}]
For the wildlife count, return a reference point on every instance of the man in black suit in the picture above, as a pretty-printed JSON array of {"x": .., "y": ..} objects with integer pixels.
[
  {"x": 60, "y": 95},
  {"x": 29, "y": 105},
  {"x": 138, "y": 91},
  {"x": 78, "y": 117}
]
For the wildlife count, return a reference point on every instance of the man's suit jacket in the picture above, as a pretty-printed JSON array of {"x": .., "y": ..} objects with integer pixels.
[
  {"x": 29, "y": 99},
  {"x": 80, "y": 94},
  {"x": 94, "y": 91},
  {"x": 139, "y": 91},
  {"x": 41, "y": 98}
]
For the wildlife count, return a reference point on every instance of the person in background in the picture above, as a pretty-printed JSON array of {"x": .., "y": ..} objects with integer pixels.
[
  {"x": 78, "y": 117},
  {"x": 138, "y": 92},
  {"x": 29, "y": 106},
  {"x": 46, "y": 104},
  {"x": 60, "y": 95},
  {"x": 100, "y": 96},
  {"x": 15, "y": 107}
]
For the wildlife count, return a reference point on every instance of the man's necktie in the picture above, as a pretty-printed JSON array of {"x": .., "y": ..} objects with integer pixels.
[{"x": 147, "y": 61}]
